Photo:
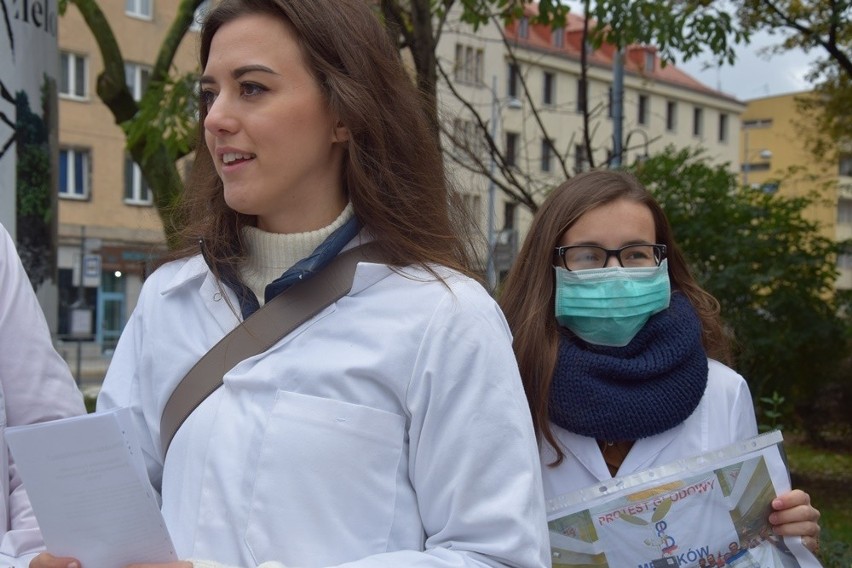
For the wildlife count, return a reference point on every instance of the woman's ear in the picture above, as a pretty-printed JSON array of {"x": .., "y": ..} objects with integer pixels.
[{"x": 341, "y": 133}]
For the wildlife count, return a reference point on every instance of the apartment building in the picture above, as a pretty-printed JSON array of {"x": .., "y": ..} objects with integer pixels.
[
  {"x": 109, "y": 230},
  {"x": 775, "y": 158},
  {"x": 521, "y": 77}
]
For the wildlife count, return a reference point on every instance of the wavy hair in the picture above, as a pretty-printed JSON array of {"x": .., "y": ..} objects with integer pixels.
[
  {"x": 529, "y": 292},
  {"x": 393, "y": 170}
]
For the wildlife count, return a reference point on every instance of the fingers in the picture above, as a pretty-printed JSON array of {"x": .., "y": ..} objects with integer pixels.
[
  {"x": 795, "y": 516},
  {"x": 790, "y": 499},
  {"x": 811, "y": 543},
  {"x": 45, "y": 560}
]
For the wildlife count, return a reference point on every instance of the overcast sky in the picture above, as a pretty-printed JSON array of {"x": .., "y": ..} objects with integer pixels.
[{"x": 756, "y": 75}]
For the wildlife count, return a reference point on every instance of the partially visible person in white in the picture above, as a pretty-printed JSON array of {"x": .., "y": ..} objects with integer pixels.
[{"x": 35, "y": 386}]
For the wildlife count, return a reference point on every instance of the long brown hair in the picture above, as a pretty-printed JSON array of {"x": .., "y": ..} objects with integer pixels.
[
  {"x": 528, "y": 294},
  {"x": 393, "y": 171}
]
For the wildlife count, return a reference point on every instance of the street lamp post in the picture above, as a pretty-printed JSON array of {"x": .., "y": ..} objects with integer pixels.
[
  {"x": 512, "y": 102},
  {"x": 490, "y": 272}
]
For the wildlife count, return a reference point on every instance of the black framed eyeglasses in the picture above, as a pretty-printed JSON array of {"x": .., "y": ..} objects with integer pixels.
[{"x": 583, "y": 257}]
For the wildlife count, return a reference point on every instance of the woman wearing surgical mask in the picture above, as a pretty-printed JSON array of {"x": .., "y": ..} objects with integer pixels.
[{"x": 621, "y": 351}]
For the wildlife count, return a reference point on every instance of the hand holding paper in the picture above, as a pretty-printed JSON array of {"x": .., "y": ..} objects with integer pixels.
[{"x": 87, "y": 483}]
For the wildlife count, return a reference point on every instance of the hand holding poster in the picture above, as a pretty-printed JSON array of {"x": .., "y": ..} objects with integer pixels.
[{"x": 708, "y": 511}]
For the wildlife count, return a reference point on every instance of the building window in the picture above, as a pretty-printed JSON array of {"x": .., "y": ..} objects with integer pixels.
[
  {"x": 198, "y": 17},
  {"x": 548, "y": 96},
  {"x": 468, "y": 137},
  {"x": 138, "y": 8},
  {"x": 468, "y": 65},
  {"x": 757, "y": 123},
  {"x": 845, "y": 166},
  {"x": 513, "y": 80},
  {"x": 723, "y": 127},
  {"x": 697, "y": 121},
  {"x": 524, "y": 28},
  {"x": 581, "y": 95},
  {"x": 74, "y": 71},
  {"x": 671, "y": 116},
  {"x": 559, "y": 38},
  {"x": 74, "y": 164},
  {"x": 581, "y": 161},
  {"x": 137, "y": 76},
  {"x": 136, "y": 189},
  {"x": 755, "y": 167},
  {"x": 844, "y": 212},
  {"x": 650, "y": 61},
  {"x": 512, "y": 148},
  {"x": 473, "y": 205},
  {"x": 642, "y": 110},
  {"x": 546, "y": 155}
]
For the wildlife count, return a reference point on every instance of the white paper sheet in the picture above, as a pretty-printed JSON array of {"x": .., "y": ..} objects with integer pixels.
[{"x": 87, "y": 483}]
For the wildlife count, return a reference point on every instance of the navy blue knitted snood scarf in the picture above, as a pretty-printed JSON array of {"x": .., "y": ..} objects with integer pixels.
[{"x": 626, "y": 393}]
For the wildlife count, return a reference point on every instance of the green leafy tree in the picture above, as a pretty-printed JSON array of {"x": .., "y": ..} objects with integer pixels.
[{"x": 769, "y": 266}]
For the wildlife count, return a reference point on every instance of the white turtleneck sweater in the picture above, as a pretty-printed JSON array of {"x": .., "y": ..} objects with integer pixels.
[{"x": 269, "y": 255}]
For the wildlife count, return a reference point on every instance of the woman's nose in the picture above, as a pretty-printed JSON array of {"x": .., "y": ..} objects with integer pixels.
[
  {"x": 612, "y": 260},
  {"x": 220, "y": 117}
]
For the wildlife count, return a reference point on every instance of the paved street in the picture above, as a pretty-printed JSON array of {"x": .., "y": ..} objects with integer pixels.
[{"x": 92, "y": 363}]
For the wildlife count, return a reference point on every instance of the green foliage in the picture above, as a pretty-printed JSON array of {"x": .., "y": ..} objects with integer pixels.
[
  {"x": 166, "y": 117},
  {"x": 769, "y": 267},
  {"x": 479, "y": 12},
  {"x": 771, "y": 410},
  {"x": 678, "y": 29}
]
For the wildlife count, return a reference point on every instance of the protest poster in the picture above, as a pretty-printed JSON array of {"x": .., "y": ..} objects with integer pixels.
[{"x": 706, "y": 511}]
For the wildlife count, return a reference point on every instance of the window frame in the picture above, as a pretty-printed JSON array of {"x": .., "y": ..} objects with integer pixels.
[
  {"x": 724, "y": 128},
  {"x": 511, "y": 149},
  {"x": 671, "y": 116},
  {"x": 697, "y": 122},
  {"x": 64, "y": 173},
  {"x": 68, "y": 66},
  {"x": 546, "y": 156},
  {"x": 134, "y": 9},
  {"x": 548, "y": 88},
  {"x": 133, "y": 193},
  {"x": 139, "y": 83},
  {"x": 643, "y": 104}
]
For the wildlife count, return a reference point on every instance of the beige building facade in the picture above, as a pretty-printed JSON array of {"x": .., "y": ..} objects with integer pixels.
[
  {"x": 109, "y": 229},
  {"x": 775, "y": 158}
]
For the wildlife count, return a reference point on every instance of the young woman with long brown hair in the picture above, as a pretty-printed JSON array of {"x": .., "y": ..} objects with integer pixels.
[
  {"x": 390, "y": 429},
  {"x": 621, "y": 352}
]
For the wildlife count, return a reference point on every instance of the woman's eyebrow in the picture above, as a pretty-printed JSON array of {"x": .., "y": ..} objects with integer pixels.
[{"x": 239, "y": 72}]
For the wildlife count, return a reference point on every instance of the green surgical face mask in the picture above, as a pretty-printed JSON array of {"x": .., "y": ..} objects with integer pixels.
[{"x": 608, "y": 306}]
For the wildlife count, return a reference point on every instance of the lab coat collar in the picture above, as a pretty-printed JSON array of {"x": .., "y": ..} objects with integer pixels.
[
  {"x": 640, "y": 456},
  {"x": 366, "y": 275}
]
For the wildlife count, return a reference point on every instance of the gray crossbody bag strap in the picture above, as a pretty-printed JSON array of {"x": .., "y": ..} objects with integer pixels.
[{"x": 259, "y": 332}]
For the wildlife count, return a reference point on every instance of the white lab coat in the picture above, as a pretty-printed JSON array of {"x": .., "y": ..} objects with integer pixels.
[
  {"x": 725, "y": 415},
  {"x": 390, "y": 430},
  {"x": 35, "y": 386}
]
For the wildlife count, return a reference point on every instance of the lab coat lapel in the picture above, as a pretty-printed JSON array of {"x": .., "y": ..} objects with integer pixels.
[
  {"x": 646, "y": 450},
  {"x": 588, "y": 453}
]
